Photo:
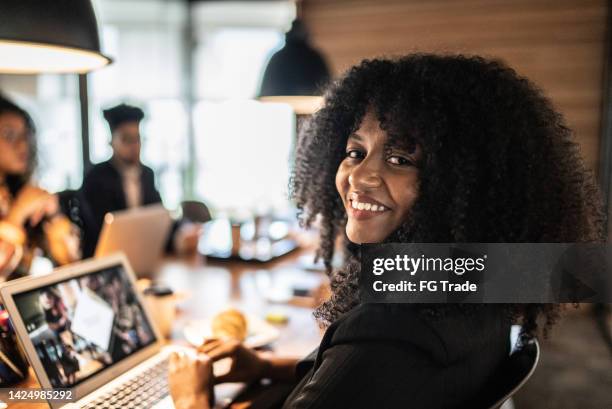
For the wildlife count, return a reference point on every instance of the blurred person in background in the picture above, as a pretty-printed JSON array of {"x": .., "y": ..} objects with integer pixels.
[
  {"x": 124, "y": 182},
  {"x": 30, "y": 217}
]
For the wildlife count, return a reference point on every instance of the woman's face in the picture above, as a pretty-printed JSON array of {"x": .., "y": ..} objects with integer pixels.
[
  {"x": 378, "y": 183},
  {"x": 14, "y": 144}
]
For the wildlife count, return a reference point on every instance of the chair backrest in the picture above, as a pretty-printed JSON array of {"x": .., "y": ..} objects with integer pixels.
[
  {"x": 195, "y": 211},
  {"x": 74, "y": 205},
  {"x": 511, "y": 376},
  {"x": 67, "y": 201}
]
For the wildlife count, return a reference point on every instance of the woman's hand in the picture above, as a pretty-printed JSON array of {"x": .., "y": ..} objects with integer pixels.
[
  {"x": 7, "y": 258},
  {"x": 32, "y": 204},
  {"x": 63, "y": 240},
  {"x": 247, "y": 365},
  {"x": 190, "y": 378}
]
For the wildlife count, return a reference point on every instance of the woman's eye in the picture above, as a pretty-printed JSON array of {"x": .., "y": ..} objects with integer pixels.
[
  {"x": 399, "y": 160},
  {"x": 354, "y": 154}
]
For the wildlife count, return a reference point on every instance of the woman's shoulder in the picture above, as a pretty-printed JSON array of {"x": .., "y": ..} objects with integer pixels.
[
  {"x": 447, "y": 333},
  {"x": 400, "y": 355}
]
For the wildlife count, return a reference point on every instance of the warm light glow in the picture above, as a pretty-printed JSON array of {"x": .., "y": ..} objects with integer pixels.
[
  {"x": 18, "y": 57},
  {"x": 301, "y": 104}
]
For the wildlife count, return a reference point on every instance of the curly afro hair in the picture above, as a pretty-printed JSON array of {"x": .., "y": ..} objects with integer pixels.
[{"x": 499, "y": 165}]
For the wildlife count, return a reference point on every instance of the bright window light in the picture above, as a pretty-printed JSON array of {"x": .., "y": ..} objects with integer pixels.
[{"x": 243, "y": 151}]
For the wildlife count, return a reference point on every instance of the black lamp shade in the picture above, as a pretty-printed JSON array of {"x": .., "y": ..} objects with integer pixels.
[
  {"x": 296, "y": 73},
  {"x": 49, "y": 36},
  {"x": 296, "y": 69}
]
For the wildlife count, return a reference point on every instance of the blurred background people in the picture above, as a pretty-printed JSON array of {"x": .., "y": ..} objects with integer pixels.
[
  {"x": 124, "y": 182},
  {"x": 30, "y": 217}
]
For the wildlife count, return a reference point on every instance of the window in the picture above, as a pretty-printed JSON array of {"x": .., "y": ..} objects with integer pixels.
[
  {"x": 243, "y": 150},
  {"x": 242, "y": 146}
]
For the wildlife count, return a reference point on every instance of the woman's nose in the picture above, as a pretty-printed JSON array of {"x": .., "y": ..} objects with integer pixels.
[{"x": 365, "y": 177}]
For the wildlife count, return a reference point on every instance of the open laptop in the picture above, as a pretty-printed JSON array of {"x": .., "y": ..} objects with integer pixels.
[
  {"x": 140, "y": 233},
  {"x": 86, "y": 328}
]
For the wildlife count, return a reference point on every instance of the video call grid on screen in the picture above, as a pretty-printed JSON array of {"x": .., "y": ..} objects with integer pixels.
[{"x": 85, "y": 324}]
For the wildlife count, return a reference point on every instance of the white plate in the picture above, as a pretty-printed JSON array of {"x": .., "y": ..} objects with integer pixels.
[{"x": 259, "y": 332}]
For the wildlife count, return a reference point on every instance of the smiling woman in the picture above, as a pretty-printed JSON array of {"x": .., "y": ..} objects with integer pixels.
[
  {"x": 430, "y": 149},
  {"x": 472, "y": 153}
]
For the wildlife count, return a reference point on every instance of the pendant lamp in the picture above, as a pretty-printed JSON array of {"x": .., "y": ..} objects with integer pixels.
[
  {"x": 296, "y": 73},
  {"x": 49, "y": 36}
]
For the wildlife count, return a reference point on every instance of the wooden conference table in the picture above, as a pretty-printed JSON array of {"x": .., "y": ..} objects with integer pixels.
[{"x": 212, "y": 286}]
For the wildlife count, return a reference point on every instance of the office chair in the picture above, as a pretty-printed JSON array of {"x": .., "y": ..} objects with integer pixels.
[
  {"x": 195, "y": 211},
  {"x": 74, "y": 205},
  {"x": 510, "y": 377}
]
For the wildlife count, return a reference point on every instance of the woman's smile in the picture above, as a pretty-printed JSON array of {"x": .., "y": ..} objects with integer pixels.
[{"x": 365, "y": 207}]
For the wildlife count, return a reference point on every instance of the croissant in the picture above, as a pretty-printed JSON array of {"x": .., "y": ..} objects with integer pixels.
[{"x": 230, "y": 324}]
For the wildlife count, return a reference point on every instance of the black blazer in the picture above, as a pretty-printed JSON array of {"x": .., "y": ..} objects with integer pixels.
[
  {"x": 102, "y": 191},
  {"x": 390, "y": 356}
]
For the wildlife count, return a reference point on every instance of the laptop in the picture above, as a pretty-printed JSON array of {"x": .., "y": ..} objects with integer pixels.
[
  {"x": 86, "y": 328},
  {"x": 140, "y": 233}
]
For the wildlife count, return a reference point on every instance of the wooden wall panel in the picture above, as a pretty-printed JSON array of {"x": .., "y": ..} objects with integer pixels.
[{"x": 558, "y": 44}]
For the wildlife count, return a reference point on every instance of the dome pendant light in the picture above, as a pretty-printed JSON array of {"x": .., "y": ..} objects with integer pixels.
[
  {"x": 296, "y": 73},
  {"x": 41, "y": 36}
]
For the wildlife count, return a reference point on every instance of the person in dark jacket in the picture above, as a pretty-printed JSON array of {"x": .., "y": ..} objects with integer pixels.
[
  {"x": 425, "y": 149},
  {"x": 123, "y": 181}
]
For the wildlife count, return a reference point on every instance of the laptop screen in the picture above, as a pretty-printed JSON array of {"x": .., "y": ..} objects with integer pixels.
[{"x": 85, "y": 324}]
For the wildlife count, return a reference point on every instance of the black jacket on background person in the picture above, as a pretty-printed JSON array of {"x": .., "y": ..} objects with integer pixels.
[
  {"x": 391, "y": 356},
  {"x": 103, "y": 192}
]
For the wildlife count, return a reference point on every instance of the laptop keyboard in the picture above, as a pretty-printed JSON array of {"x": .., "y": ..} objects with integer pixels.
[{"x": 142, "y": 391}]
